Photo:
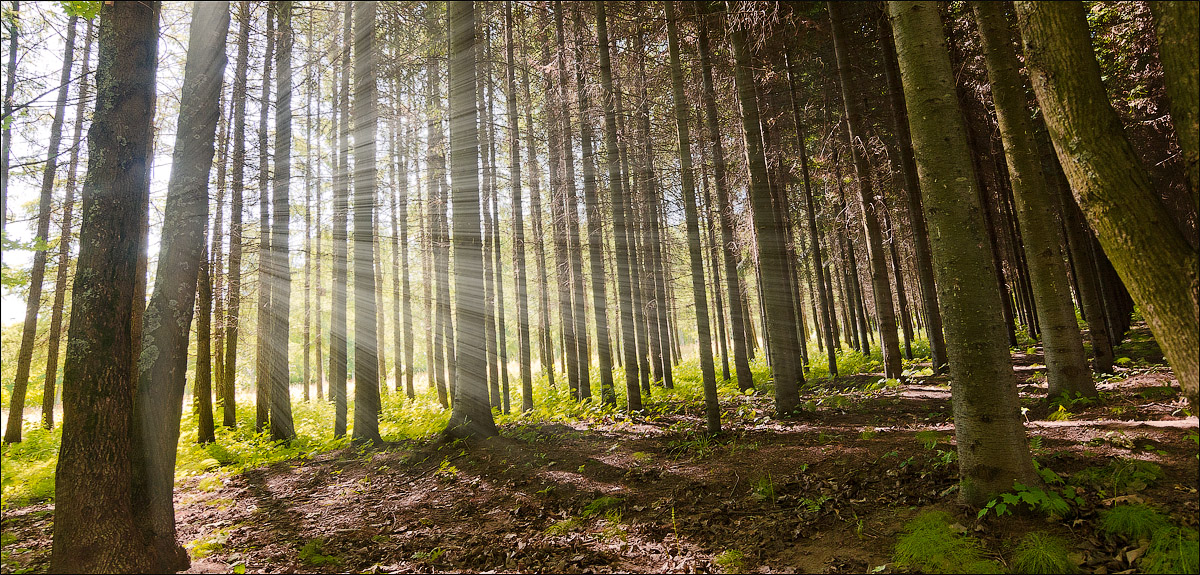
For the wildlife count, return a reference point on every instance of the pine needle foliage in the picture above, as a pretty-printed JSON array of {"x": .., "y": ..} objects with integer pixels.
[{"x": 1040, "y": 552}]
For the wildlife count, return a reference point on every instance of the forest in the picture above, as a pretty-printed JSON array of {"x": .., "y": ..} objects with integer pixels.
[{"x": 611, "y": 286}]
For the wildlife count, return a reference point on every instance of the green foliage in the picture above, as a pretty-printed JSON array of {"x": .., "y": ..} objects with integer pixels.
[
  {"x": 313, "y": 554},
  {"x": 1132, "y": 522},
  {"x": 209, "y": 544},
  {"x": 1045, "y": 501},
  {"x": 1120, "y": 477},
  {"x": 83, "y": 9},
  {"x": 1065, "y": 401},
  {"x": 27, "y": 473},
  {"x": 1061, "y": 414},
  {"x": 560, "y": 528},
  {"x": 600, "y": 505},
  {"x": 930, "y": 545},
  {"x": 1042, "y": 553},
  {"x": 929, "y": 438},
  {"x": 613, "y": 529},
  {"x": 1173, "y": 550},
  {"x": 849, "y": 362},
  {"x": 763, "y": 488},
  {"x": 731, "y": 561}
]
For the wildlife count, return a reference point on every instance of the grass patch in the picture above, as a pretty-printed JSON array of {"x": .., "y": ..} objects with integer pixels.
[
  {"x": 930, "y": 545},
  {"x": 600, "y": 505},
  {"x": 1133, "y": 522},
  {"x": 1040, "y": 553},
  {"x": 212, "y": 543},
  {"x": 1120, "y": 477},
  {"x": 1173, "y": 550}
]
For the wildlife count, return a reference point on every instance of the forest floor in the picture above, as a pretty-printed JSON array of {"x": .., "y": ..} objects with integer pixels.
[{"x": 826, "y": 492}]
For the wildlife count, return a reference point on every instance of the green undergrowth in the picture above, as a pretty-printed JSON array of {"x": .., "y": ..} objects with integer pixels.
[
  {"x": 931, "y": 544},
  {"x": 1042, "y": 553},
  {"x": 1169, "y": 548}
]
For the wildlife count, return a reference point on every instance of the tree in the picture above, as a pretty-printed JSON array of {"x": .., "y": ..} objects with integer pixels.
[
  {"x": 1067, "y": 371},
  {"x": 237, "y": 175},
  {"x": 992, "y": 448},
  {"x": 1177, "y": 25},
  {"x": 779, "y": 310},
  {"x": 741, "y": 361},
  {"x": 471, "y": 416},
  {"x": 341, "y": 193},
  {"x": 885, "y": 314},
  {"x": 519, "y": 270},
  {"x": 64, "y": 243},
  {"x": 691, "y": 214},
  {"x": 266, "y": 277},
  {"x": 1153, "y": 258},
  {"x": 95, "y": 527},
  {"x": 10, "y": 84},
  {"x": 282, "y": 428},
  {"x": 33, "y": 302},
  {"x": 366, "y": 115}
]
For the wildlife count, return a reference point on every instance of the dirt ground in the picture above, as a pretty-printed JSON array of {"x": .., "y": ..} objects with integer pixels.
[{"x": 827, "y": 492}]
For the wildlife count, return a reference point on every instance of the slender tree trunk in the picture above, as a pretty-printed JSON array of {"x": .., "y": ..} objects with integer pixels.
[
  {"x": 713, "y": 265},
  {"x": 33, "y": 302},
  {"x": 546, "y": 346},
  {"x": 1067, "y": 371},
  {"x": 202, "y": 392},
  {"x": 95, "y": 527},
  {"x": 519, "y": 270},
  {"x": 10, "y": 84},
  {"x": 691, "y": 215},
  {"x": 1151, "y": 255},
  {"x": 237, "y": 175},
  {"x": 338, "y": 346},
  {"x": 497, "y": 263},
  {"x": 217, "y": 260},
  {"x": 825, "y": 319},
  {"x": 262, "y": 368},
  {"x": 471, "y": 417},
  {"x": 486, "y": 190},
  {"x": 741, "y": 360},
  {"x": 64, "y": 242},
  {"x": 880, "y": 288},
  {"x": 781, "y": 314},
  {"x": 992, "y": 448},
  {"x": 1177, "y": 25},
  {"x": 366, "y": 113}
]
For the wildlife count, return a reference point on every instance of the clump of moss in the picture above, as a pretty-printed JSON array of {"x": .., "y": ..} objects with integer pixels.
[
  {"x": 731, "y": 561},
  {"x": 1133, "y": 522},
  {"x": 930, "y": 545},
  {"x": 1042, "y": 553}
]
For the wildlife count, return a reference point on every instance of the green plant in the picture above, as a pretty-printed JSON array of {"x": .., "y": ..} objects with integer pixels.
[
  {"x": 763, "y": 488},
  {"x": 613, "y": 527},
  {"x": 731, "y": 561},
  {"x": 944, "y": 458},
  {"x": 560, "y": 528},
  {"x": 929, "y": 544},
  {"x": 1121, "y": 476},
  {"x": 1045, "y": 501},
  {"x": 1172, "y": 550},
  {"x": 1061, "y": 414},
  {"x": 312, "y": 553},
  {"x": 204, "y": 546},
  {"x": 929, "y": 438},
  {"x": 600, "y": 505},
  {"x": 431, "y": 556},
  {"x": 1133, "y": 522},
  {"x": 868, "y": 434},
  {"x": 1042, "y": 553}
]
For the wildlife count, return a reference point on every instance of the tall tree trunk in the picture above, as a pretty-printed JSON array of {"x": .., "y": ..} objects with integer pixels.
[
  {"x": 992, "y": 448},
  {"x": 713, "y": 264},
  {"x": 33, "y": 302},
  {"x": 406, "y": 280},
  {"x": 266, "y": 280},
  {"x": 95, "y": 526},
  {"x": 216, "y": 255},
  {"x": 884, "y": 311},
  {"x": 824, "y": 318},
  {"x": 545, "y": 345},
  {"x": 916, "y": 215},
  {"x": 1177, "y": 25},
  {"x": 780, "y": 313},
  {"x": 497, "y": 263},
  {"x": 617, "y": 197},
  {"x": 691, "y": 214},
  {"x": 237, "y": 175},
  {"x": 338, "y": 346},
  {"x": 1153, "y": 258},
  {"x": 10, "y": 84},
  {"x": 595, "y": 226},
  {"x": 64, "y": 242},
  {"x": 1067, "y": 371},
  {"x": 366, "y": 114},
  {"x": 282, "y": 428},
  {"x": 486, "y": 190},
  {"x": 519, "y": 270},
  {"x": 168, "y": 319},
  {"x": 741, "y": 360},
  {"x": 202, "y": 391},
  {"x": 471, "y": 417}
]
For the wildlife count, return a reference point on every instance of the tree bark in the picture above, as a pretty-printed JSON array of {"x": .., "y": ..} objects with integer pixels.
[
  {"x": 338, "y": 351},
  {"x": 992, "y": 447},
  {"x": 1153, "y": 258},
  {"x": 1177, "y": 25},
  {"x": 95, "y": 527},
  {"x": 10, "y": 84},
  {"x": 514, "y": 169},
  {"x": 237, "y": 175}
]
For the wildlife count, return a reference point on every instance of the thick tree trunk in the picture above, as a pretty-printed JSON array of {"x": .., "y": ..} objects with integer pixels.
[
  {"x": 366, "y": 114},
  {"x": 992, "y": 448},
  {"x": 471, "y": 417},
  {"x": 168, "y": 318},
  {"x": 33, "y": 301},
  {"x": 1177, "y": 25},
  {"x": 64, "y": 243},
  {"x": 780, "y": 313},
  {"x": 237, "y": 175},
  {"x": 885, "y": 313},
  {"x": 95, "y": 526},
  {"x": 282, "y": 428},
  {"x": 1153, "y": 258},
  {"x": 1067, "y": 371}
]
